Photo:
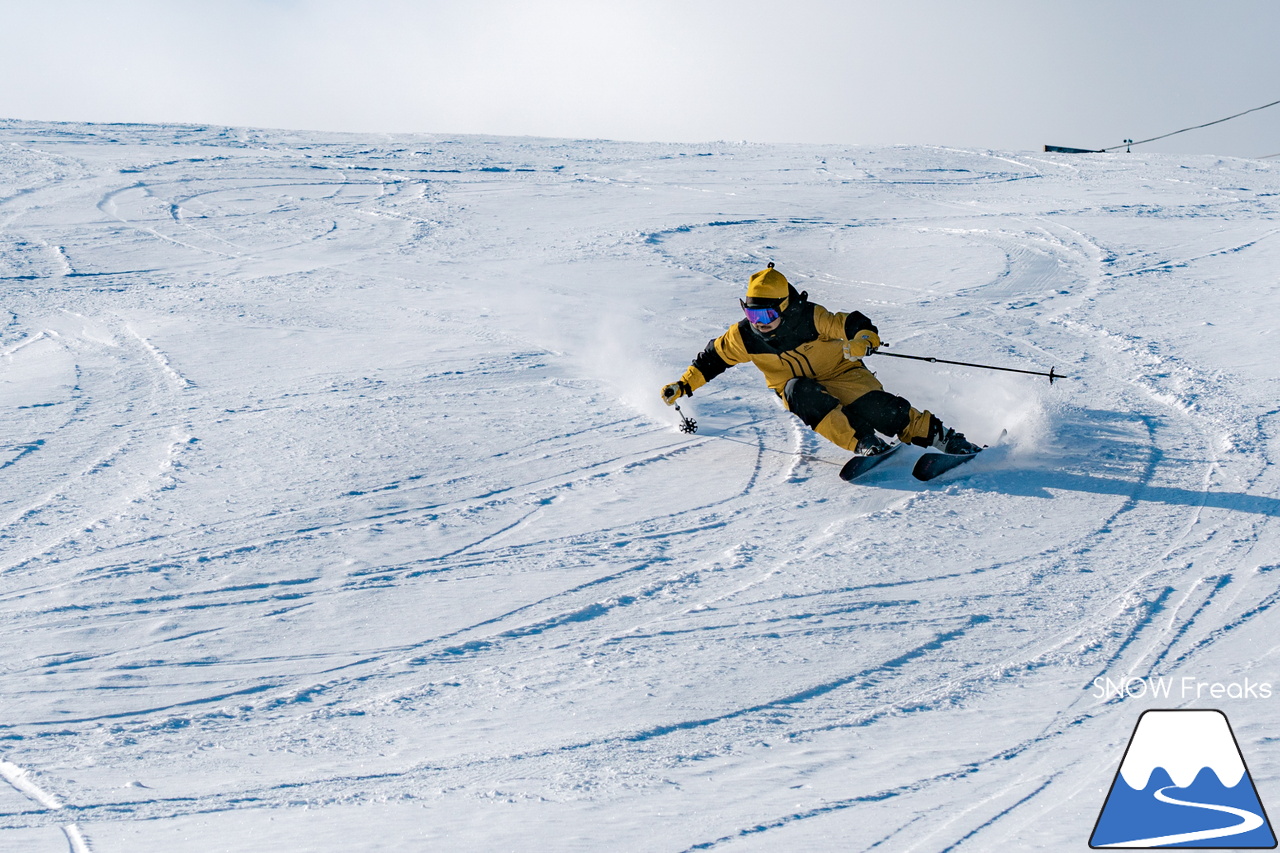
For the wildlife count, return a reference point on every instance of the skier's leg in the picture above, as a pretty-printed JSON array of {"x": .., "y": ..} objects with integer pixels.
[
  {"x": 879, "y": 411},
  {"x": 871, "y": 411},
  {"x": 810, "y": 402},
  {"x": 922, "y": 429},
  {"x": 892, "y": 415},
  {"x": 926, "y": 430},
  {"x": 941, "y": 438}
]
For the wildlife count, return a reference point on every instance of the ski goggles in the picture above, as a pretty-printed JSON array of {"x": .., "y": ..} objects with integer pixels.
[{"x": 759, "y": 316}]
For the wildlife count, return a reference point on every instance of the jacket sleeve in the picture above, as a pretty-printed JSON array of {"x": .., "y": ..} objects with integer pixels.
[
  {"x": 719, "y": 355},
  {"x": 855, "y": 322},
  {"x": 840, "y": 326}
]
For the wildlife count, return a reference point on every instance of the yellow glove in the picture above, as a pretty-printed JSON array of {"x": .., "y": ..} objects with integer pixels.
[
  {"x": 674, "y": 391},
  {"x": 862, "y": 344}
]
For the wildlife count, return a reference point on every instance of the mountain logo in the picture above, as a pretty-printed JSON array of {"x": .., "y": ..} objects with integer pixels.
[{"x": 1183, "y": 783}]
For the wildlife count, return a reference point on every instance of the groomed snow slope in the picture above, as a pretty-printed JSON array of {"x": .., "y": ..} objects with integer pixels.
[{"x": 338, "y": 510}]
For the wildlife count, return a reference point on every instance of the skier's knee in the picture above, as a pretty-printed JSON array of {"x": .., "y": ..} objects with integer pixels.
[
  {"x": 881, "y": 411},
  {"x": 808, "y": 400}
]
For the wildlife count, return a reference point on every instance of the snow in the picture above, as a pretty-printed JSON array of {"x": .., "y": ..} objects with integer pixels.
[{"x": 338, "y": 509}]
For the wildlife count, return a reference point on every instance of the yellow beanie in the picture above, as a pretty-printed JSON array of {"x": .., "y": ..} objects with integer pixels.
[{"x": 767, "y": 284}]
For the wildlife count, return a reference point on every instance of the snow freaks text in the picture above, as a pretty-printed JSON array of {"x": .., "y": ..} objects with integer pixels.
[{"x": 1186, "y": 687}]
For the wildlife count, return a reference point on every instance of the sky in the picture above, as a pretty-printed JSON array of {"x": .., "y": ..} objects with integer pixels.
[{"x": 1001, "y": 74}]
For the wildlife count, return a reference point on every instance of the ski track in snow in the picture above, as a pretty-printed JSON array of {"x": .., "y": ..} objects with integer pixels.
[{"x": 335, "y": 490}]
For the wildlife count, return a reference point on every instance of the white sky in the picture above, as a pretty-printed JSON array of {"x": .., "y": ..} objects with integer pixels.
[{"x": 1005, "y": 74}]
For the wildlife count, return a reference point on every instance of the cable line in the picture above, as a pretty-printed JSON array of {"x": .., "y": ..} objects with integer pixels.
[{"x": 1129, "y": 142}]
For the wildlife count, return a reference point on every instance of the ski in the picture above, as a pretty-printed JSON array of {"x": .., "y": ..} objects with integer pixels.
[
  {"x": 859, "y": 465},
  {"x": 932, "y": 464}
]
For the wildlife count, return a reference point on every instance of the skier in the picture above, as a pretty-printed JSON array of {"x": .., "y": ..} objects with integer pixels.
[{"x": 812, "y": 359}]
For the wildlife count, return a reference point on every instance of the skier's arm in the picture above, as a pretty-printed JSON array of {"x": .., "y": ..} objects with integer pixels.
[
  {"x": 841, "y": 326},
  {"x": 718, "y": 356},
  {"x": 860, "y": 335},
  {"x": 856, "y": 321}
]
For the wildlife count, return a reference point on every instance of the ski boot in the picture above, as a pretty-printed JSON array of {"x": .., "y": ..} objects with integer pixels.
[
  {"x": 871, "y": 445},
  {"x": 950, "y": 441}
]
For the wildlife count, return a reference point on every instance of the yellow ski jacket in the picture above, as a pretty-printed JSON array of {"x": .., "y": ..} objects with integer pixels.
[{"x": 809, "y": 342}]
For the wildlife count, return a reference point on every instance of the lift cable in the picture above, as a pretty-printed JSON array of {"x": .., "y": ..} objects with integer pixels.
[{"x": 1129, "y": 142}]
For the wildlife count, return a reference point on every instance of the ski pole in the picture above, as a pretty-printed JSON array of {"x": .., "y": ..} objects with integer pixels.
[
  {"x": 688, "y": 425},
  {"x": 1052, "y": 376}
]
